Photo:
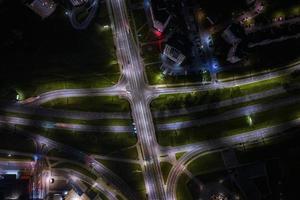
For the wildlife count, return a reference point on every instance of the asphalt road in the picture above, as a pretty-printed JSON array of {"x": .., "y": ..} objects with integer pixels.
[
  {"x": 196, "y": 150},
  {"x": 133, "y": 71},
  {"x": 219, "y": 85},
  {"x": 101, "y": 171},
  {"x": 56, "y": 94},
  {"x": 70, "y": 174},
  {"x": 92, "y": 9},
  {"x": 64, "y": 126},
  {"x": 239, "y": 112},
  {"x": 134, "y": 88}
]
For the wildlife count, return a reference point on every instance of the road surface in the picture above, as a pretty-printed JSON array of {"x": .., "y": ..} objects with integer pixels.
[{"x": 198, "y": 149}]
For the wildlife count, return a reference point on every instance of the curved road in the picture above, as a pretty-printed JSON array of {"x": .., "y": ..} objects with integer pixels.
[
  {"x": 56, "y": 94},
  {"x": 100, "y": 169},
  {"x": 140, "y": 95},
  {"x": 92, "y": 9},
  {"x": 197, "y": 149}
]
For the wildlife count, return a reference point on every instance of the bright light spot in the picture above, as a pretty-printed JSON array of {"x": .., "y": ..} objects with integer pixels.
[
  {"x": 95, "y": 184},
  {"x": 19, "y": 95},
  {"x": 13, "y": 196},
  {"x": 159, "y": 77},
  {"x": 74, "y": 178},
  {"x": 157, "y": 33},
  {"x": 249, "y": 120}
]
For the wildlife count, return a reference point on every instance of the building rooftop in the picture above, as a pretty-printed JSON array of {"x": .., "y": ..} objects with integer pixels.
[{"x": 43, "y": 8}]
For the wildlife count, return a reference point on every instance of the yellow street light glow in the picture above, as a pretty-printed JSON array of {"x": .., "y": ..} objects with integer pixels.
[{"x": 249, "y": 120}]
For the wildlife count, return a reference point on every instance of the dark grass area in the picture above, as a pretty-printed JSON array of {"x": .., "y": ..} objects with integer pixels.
[
  {"x": 182, "y": 190},
  {"x": 92, "y": 104},
  {"x": 206, "y": 163},
  {"x": 282, "y": 164},
  {"x": 165, "y": 168},
  {"x": 37, "y": 52},
  {"x": 176, "y": 101},
  {"x": 131, "y": 174},
  {"x": 155, "y": 76},
  {"x": 96, "y": 143},
  {"x": 214, "y": 112},
  {"x": 275, "y": 55},
  {"x": 222, "y": 11},
  {"x": 262, "y": 59},
  {"x": 12, "y": 141}
]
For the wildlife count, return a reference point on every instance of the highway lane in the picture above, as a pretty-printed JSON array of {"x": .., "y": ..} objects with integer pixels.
[
  {"x": 196, "y": 150},
  {"x": 81, "y": 115},
  {"x": 32, "y": 110},
  {"x": 231, "y": 114},
  {"x": 56, "y": 94},
  {"x": 220, "y": 104},
  {"x": 156, "y": 91},
  {"x": 15, "y": 165},
  {"x": 151, "y": 92},
  {"x": 133, "y": 72},
  {"x": 239, "y": 112},
  {"x": 64, "y": 126}
]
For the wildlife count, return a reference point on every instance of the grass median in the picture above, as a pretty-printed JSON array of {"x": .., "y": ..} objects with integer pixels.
[
  {"x": 205, "y": 163},
  {"x": 94, "y": 143},
  {"x": 182, "y": 190},
  {"x": 229, "y": 127},
  {"x": 175, "y": 101},
  {"x": 131, "y": 174},
  {"x": 91, "y": 104},
  {"x": 165, "y": 169},
  {"x": 214, "y": 112}
]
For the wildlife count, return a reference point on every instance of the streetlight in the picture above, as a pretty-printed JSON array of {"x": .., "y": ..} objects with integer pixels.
[{"x": 249, "y": 120}]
